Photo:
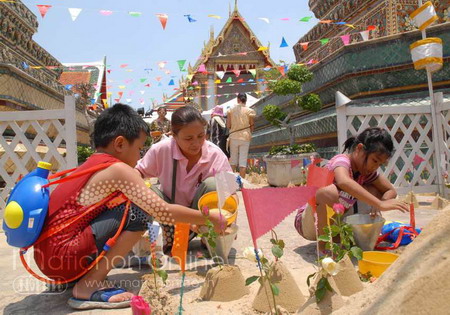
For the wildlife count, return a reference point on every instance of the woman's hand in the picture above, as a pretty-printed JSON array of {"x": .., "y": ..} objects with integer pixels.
[
  {"x": 393, "y": 204},
  {"x": 219, "y": 221}
]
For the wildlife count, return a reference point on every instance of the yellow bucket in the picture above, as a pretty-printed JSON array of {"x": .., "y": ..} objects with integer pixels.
[
  {"x": 376, "y": 262},
  {"x": 211, "y": 200}
]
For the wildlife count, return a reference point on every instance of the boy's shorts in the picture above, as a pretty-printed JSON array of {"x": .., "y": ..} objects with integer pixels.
[{"x": 106, "y": 224}]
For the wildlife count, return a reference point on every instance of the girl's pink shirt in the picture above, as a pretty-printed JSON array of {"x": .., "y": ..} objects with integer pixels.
[{"x": 158, "y": 162}]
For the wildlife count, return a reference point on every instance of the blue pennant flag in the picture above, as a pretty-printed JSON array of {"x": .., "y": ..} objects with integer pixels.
[
  {"x": 171, "y": 82},
  {"x": 284, "y": 43},
  {"x": 191, "y": 20}
]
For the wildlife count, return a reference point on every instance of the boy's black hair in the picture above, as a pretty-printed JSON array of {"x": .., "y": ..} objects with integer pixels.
[
  {"x": 375, "y": 140},
  {"x": 242, "y": 97},
  {"x": 118, "y": 120},
  {"x": 185, "y": 115}
]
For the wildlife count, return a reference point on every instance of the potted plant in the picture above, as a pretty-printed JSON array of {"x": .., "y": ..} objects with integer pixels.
[{"x": 279, "y": 159}]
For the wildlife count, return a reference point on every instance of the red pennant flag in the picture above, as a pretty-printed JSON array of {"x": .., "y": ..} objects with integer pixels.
[
  {"x": 281, "y": 69},
  {"x": 237, "y": 72},
  {"x": 43, "y": 8},
  {"x": 417, "y": 160},
  {"x": 304, "y": 45},
  {"x": 259, "y": 205},
  {"x": 318, "y": 177},
  {"x": 240, "y": 81},
  {"x": 294, "y": 163},
  {"x": 163, "y": 19},
  {"x": 371, "y": 28},
  {"x": 180, "y": 244},
  {"x": 120, "y": 94},
  {"x": 147, "y": 85},
  {"x": 117, "y": 100}
]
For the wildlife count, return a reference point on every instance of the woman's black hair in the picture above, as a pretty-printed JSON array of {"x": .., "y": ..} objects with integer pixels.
[
  {"x": 185, "y": 115},
  {"x": 118, "y": 120},
  {"x": 242, "y": 97},
  {"x": 375, "y": 140}
]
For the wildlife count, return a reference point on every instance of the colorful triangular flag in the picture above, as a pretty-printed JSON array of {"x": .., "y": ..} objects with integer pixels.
[
  {"x": 220, "y": 74},
  {"x": 346, "y": 39},
  {"x": 43, "y": 9},
  {"x": 190, "y": 19},
  {"x": 181, "y": 64},
  {"x": 253, "y": 72},
  {"x": 283, "y": 43},
  {"x": 237, "y": 72},
  {"x": 74, "y": 12},
  {"x": 365, "y": 35},
  {"x": 305, "y": 19},
  {"x": 229, "y": 80},
  {"x": 171, "y": 82},
  {"x": 324, "y": 41},
  {"x": 163, "y": 19},
  {"x": 135, "y": 14},
  {"x": 304, "y": 45},
  {"x": 106, "y": 12},
  {"x": 264, "y": 19},
  {"x": 214, "y": 16}
]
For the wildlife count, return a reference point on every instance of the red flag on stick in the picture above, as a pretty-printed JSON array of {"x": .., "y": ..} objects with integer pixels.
[
  {"x": 267, "y": 207},
  {"x": 318, "y": 177}
]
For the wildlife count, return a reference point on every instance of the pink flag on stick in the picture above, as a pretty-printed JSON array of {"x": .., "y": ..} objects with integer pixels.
[{"x": 267, "y": 207}]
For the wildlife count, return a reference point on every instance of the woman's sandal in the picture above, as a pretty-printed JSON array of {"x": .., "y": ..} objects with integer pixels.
[{"x": 99, "y": 300}]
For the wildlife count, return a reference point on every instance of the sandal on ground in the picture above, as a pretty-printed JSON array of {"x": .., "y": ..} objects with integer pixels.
[{"x": 99, "y": 300}]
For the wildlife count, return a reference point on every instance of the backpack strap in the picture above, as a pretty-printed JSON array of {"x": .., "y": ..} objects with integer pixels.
[{"x": 89, "y": 170}]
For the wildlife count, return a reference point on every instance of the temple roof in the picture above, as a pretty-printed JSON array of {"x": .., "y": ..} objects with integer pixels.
[
  {"x": 211, "y": 46},
  {"x": 86, "y": 72},
  {"x": 174, "y": 102}
]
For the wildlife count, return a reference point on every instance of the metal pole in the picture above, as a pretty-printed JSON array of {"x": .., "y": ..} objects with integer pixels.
[{"x": 437, "y": 150}]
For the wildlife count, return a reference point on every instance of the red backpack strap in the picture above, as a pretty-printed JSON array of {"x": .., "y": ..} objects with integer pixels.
[{"x": 89, "y": 170}]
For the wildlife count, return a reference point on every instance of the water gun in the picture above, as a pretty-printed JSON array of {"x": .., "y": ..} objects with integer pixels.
[{"x": 26, "y": 208}]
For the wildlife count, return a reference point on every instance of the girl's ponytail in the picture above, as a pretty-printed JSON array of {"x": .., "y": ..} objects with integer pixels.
[{"x": 348, "y": 144}]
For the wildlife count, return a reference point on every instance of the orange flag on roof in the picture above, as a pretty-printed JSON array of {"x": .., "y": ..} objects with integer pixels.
[{"x": 180, "y": 244}]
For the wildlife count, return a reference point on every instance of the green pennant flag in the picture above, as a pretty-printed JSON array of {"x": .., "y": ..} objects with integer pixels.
[
  {"x": 253, "y": 72},
  {"x": 143, "y": 80},
  {"x": 135, "y": 14},
  {"x": 305, "y": 19},
  {"x": 181, "y": 64},
  {"x": 324, "y": 41},
  {"x": 229, "y": 80}
]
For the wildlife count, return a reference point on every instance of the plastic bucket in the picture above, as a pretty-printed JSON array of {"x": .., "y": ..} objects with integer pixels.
[
  {"x": 376, "y": 262},
  {"x": 366, "y": 229},
  {"x": 211, "y": 200}
]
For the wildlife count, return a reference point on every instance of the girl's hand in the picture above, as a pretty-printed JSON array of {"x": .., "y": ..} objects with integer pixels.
[
  {"x": 219, "y": 221},
  {"x": 392, "y": 204}
]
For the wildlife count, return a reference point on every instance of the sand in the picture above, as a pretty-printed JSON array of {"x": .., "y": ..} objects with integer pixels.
[
  {"x": 290, "y": 297},
  {"x": 347, "y": 281},
  {"x": 417, "y": 282},
  {"x": 224, "y": 284},
  {"x": 330, "y": 303},
  {"x": 164, "y": 303}
]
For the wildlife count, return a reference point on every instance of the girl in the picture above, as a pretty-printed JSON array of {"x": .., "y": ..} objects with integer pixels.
[
  {"x": 356, "y": 177},
  {"x": 185, "y": 164}
]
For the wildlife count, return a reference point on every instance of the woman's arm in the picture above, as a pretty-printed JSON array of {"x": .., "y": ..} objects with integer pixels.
[
  {"x": 125, "y": 179},
  {"x": 229, "y": 120},
  {"x": 347, "y": 184}
]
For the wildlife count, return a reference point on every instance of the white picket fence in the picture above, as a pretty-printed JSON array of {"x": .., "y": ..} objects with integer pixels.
[
  {"x": 411, "y": 128},
  {"x": 37, "y": 135}
]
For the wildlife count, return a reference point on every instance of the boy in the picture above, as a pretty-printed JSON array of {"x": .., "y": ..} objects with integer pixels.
[{"x": 119, "y": 135}]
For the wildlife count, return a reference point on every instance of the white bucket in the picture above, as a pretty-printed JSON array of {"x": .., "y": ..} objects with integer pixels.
[{"x": 224, "y": 244}]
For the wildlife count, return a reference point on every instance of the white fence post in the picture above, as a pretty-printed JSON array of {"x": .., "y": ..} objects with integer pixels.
[
  {"x": 341, "y": 118},
  {"x": 71, "y": 131}
]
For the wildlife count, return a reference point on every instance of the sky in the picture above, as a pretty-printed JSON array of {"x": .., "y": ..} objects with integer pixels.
[{"x": 141, "y": 43}]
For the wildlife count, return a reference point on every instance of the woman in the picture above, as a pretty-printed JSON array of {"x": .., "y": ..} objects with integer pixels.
[
  {"x": 185, "y": 164},
  {"x": 240, "y": 123},
  {"x": 219, "y": 130},
  {"x": 161, "y": 126}
]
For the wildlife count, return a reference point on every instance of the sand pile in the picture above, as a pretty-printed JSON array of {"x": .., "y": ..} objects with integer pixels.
[
  {"x": 290, "y": 297},
  {"x": 330, "y": 303},
  {"x": 418, "y": 281},
  {"x": 162, "y": 304},
  {"x": 224, "y": 283},
  {"x": 257, "y": 179},
  {"x": 347, "y": 281}
]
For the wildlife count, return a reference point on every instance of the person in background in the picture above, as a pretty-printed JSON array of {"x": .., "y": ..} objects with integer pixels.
[
  {"x": 240, "y": 122},
  {"x": 219, "y": 130},
  {"x": 160, "y": 127}
]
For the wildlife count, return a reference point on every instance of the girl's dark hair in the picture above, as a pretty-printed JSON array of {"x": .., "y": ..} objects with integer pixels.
[
  {"x": 375, "y": 140},
  {"x": 242, "y": 97},
  {"x": 118, "y": 120},
  {"x": 185, "y": 115}
]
